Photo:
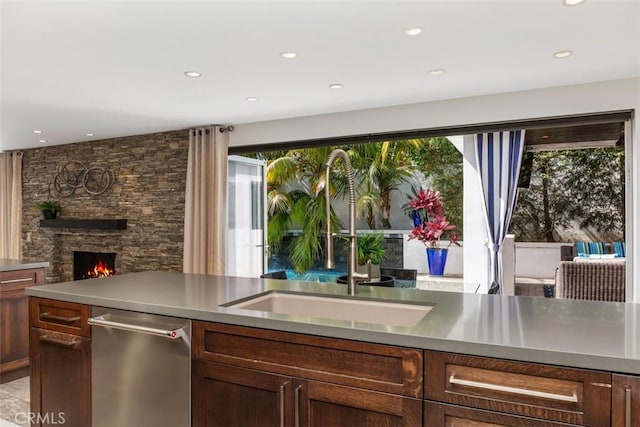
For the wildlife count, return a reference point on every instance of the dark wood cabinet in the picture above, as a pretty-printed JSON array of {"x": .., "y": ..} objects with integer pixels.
[
  {"x": 626, "y": 401},
  {"x": 230, "y": 396},
  {"x": 322, "y": 404},
  {"x": 246, "y": 376},
  {"x": 14, "y": 321},
  {"x": 444, "y": 415},
  {"x": 60, "y": 364},
  {"x": 543, "y": 392}
]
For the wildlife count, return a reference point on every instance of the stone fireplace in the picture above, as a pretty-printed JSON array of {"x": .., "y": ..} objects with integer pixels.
[
  {"x": 147, "y": 195},
  {"x": 92, "y": 265}
]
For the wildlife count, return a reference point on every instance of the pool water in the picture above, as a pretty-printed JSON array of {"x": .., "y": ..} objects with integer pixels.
[{"x": 323, "y": 276}]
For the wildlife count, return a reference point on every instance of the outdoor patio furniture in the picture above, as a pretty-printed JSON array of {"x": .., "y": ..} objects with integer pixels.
[
  {"x": 600, "y": 280},
  {"x": 281, "y": 274}
]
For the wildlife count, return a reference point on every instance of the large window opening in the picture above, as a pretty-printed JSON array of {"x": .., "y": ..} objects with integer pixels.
[{"x": 572, "y": 190}]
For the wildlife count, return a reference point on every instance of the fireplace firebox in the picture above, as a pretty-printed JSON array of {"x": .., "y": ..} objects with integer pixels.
[{"x": 90, "y": 265}]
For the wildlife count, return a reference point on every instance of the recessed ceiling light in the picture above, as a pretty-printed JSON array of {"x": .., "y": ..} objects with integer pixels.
[
  {"x": 336, "y": 86},
  {"x": 192, "y": 74},
  {"x": 251, "y": 99},
  {"x": 563, "y": 54},
  {"x": 413, "y": 31},
  {"x": 545, "y": 137},
  {"x": 437, "y": 71},
  {"x": 42, "y": 140},
  {"x": 37, "y": 131},
  {"x": 89, "y": 134},
  {"x": 572, "y": 2},
  {"x": 288, "y": 55}
]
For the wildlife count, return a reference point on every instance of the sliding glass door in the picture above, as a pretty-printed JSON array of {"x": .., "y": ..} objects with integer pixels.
[{"x": 246, "y": 253}]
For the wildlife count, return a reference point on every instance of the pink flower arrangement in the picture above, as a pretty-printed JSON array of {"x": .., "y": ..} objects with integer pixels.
[{"x": 433, "y": 224}]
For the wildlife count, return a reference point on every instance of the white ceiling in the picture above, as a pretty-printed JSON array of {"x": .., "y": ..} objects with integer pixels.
[{"x": 115, "y": 68}]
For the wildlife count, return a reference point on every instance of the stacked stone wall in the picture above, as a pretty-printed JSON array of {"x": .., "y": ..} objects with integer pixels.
[{"x": 148, "y": 190}]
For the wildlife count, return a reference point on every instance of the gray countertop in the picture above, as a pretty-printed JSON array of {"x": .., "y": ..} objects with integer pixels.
[
  {"x": 583, "y": 334},
  {"x": 20, "y": 264}
]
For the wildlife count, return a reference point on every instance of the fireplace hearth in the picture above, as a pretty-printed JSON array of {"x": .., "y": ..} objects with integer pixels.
[{"x": 91, "y": 265}]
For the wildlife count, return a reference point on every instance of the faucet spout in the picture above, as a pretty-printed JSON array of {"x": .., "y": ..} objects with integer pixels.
[{"x": 352, "y": 275}]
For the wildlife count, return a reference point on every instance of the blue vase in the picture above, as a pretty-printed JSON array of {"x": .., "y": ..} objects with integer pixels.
[
  {"x": 416, "y": 219},
  {"x": 436, "y": 260}
]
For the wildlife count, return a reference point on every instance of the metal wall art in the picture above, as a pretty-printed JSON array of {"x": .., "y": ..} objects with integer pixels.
[{"x": 75, "y": 174}]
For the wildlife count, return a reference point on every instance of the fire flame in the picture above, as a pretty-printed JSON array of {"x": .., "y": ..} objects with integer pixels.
[{"x": 100, "y": 270}]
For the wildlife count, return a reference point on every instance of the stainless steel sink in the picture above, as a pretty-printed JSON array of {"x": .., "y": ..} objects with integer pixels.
[{"x": 393, "y": 313}]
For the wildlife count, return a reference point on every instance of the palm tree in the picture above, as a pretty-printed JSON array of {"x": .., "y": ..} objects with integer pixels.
[
  {"x": 382, "y": 167},
  {"x": 294, "y": 200}
]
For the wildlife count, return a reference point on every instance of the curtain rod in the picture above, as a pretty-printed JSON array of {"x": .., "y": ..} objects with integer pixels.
[{"x": 221, "y": 128}]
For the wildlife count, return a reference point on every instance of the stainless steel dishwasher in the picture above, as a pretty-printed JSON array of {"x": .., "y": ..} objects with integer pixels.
[{"x": 140, "y": 369}]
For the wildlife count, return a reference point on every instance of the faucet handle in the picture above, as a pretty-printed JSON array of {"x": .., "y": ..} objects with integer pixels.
[{"x": 362, "y": 277}]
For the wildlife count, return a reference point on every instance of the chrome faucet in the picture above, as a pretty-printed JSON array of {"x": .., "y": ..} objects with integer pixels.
[{"x": 352, "y": 276}]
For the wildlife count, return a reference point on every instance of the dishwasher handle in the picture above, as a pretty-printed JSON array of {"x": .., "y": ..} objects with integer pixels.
[{"x": 172, "y": 334}]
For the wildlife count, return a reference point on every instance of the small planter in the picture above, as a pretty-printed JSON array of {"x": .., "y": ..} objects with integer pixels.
[
  {"x": 375, "y": 271},
  {"x": 49, "y": 214},
  {"x": 436, "y": 260},
  {"x": 49, "y": 208}
]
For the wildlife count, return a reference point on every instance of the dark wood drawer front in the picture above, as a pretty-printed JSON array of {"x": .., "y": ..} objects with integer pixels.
[
  {"x": 60, "y": 316},
  {"x": 445, "y": 415},
  {"x": 324, "y": 404},
  {"x": 19, "y": 279},
  {"x": 567, "y": 395},
  {"x": 369, "y": 366}
]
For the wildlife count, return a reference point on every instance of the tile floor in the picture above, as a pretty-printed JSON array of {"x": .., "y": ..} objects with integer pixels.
[{"x": 14, "y": 403}]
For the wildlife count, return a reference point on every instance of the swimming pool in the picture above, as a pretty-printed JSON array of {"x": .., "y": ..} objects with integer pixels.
[{"x": 322, "y": 276}]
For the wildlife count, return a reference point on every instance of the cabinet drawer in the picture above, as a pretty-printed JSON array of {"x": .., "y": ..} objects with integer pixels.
[
  {"x": 60, "y": 316},
  {"x": 445, "y": 415},
  {"x": 567, "y": 395},
  {"x": 19, "y": 279},
  {"x": 378, "y": 367}
]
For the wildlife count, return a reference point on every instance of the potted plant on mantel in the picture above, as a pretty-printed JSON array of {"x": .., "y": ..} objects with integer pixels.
[
  {"x": 371, "y": 251},
  {"x": 430, "y": 226},
  {"x": 49, "y": 208}
]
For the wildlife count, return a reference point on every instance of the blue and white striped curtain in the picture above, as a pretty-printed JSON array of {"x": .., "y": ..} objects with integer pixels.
[{"x": 498, "y": 156}]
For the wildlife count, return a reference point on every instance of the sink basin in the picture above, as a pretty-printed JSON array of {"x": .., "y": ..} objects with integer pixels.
[{"x": 334, "y": 307}]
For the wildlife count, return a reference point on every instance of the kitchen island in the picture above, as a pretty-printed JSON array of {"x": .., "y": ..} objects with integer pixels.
[
  {"x": 15, "y": 276},
  {"x": 582, "y": 349}
]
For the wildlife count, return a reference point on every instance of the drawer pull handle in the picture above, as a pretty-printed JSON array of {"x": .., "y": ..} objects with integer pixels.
[
  {"x": 58, "y": 342},
  {"x": 627, "y": 407},
  {"x": 54, "y": 318},
  {"x": 26, "y": 279},
  {"x": 516, "y": 390}
]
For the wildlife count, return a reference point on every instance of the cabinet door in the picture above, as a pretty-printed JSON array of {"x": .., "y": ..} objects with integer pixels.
[
  {"x": 60, "y": 378},
  {"x": 626, "y": 401},
  {"x": 14, "y": 332},
  {"x": 318, "y": 404},
  {"x": 14, "y": 321},
  {"x": 225, "y": 395}
]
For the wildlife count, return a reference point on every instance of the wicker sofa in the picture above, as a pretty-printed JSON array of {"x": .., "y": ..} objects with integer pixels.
[{"x": 601, "y": 280}]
